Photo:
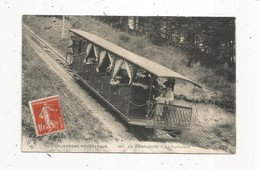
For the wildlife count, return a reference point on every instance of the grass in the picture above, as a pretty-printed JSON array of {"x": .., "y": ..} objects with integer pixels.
[
  {"x": 215, "y": 137},
  {"x": 39, "y": 82}
]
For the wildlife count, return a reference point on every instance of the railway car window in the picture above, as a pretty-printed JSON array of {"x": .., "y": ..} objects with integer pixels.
[
  {"x": 141, "y": 83},
  {"x": 83, "y": 46},
  {"x": 88, "y": 50},
  {"x": 76, "y": 47},
  {"x": 80, "y": 46},
  {"x": 91, "y": 54},
  {"x": 142, "y": 78},
  {"x": 104, "y": 62},
  {"x": 122, "y": 73}
]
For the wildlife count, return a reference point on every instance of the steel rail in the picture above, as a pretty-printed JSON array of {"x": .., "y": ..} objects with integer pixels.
[{"x": 44, "y": 42}]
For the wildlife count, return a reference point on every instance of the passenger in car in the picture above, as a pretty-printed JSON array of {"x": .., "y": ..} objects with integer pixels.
[
  {"x": 157, "y": 88},
  {"x": 120, "y": 78},
  {"x": 70, "y": 51},
  {"x": 159, "y": 108},
  {"x": 160, "y": 98},
  {"x": 142, "y": 79},
  {"x": 90, "y": 60},
  {"x": 169, "y": 95},
  {"x": 123, "y": 76}
]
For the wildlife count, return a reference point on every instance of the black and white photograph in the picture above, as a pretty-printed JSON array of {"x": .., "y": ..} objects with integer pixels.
[{"x": 129, "y": 84}]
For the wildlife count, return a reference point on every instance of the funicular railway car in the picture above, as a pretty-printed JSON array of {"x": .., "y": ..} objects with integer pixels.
[{"x": 139, "y": 90}]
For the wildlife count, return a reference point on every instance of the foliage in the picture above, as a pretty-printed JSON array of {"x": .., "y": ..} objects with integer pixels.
[{"x": 208, "y": 40}]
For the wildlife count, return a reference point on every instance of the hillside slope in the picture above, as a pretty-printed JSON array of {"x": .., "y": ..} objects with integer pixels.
[{"x": 213, "y": 127}]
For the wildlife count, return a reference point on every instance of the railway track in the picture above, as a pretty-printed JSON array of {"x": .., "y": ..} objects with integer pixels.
[
  {"x": 44, "y": 45},
  {"x": 57, "y": 56},
  {"x": 141, "y": 134}
]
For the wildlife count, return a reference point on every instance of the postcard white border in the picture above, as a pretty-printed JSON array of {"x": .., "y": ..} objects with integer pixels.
[{"x": 248, "y": 138}]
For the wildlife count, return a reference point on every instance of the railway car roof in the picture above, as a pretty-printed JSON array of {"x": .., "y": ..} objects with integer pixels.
[{"x": 142, "y": 62}]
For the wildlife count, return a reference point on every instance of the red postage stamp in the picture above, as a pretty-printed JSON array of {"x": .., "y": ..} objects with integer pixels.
[{"x": 47, "y": 115}]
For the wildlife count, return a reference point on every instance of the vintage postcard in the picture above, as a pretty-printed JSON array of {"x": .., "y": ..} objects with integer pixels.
[{"x": 128, "y": 84}]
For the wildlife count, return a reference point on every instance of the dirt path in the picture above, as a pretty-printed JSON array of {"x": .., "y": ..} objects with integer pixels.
[{"x": 119, "y": 134}]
